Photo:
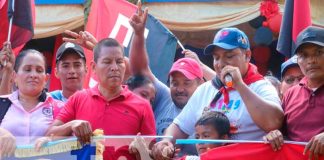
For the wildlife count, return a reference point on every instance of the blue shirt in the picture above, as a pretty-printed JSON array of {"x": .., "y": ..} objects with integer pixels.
[{"x": 57, "y": 94}]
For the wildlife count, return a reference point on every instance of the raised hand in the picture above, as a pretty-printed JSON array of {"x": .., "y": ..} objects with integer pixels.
[
  {"x": 7, "y": 57},
  {"x": 191, "y": 54},
  {"x": 84, "y": 39},
  {"x": 138, "y": 20}
]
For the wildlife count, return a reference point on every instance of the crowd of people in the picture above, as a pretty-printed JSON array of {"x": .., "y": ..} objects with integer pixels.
[{"x": 129, "y": 99}]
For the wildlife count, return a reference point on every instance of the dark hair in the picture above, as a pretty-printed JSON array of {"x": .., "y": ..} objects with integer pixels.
[
  {"x": 137, "y": 81},
  {"x": 107, "y": 42},
  {"x": 23, "y": 54},
  {"x": 218, "y": 120}
]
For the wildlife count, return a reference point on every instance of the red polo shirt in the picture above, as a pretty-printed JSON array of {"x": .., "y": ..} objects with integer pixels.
[
  {"x": 304, "y": 112},
  {"x": 126, "y": 114}
]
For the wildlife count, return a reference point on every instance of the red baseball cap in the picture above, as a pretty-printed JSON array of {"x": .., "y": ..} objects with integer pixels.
[{"x": 188, "y": 67}]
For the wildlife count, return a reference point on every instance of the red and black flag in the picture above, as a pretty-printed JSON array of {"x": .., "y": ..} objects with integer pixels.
[
  {"x": 296, "y": 18},
  {"x": 22, "y": 23}
]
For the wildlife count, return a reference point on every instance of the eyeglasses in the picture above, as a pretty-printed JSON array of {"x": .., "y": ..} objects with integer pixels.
[{"x": 292, "y": 79}]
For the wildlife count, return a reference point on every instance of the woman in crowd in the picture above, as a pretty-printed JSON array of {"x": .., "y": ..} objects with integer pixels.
[
  {"x": 142, "y": 86},
  {"x": 29, "y": 107}
]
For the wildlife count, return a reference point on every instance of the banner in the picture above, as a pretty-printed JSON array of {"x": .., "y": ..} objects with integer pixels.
[
  {"x": 23, "y": 20},
  {"x": 110, "y": 18},
  {"x": 107, "y": 147},
  {"x": 256, "y": 151},
  {"x": 296, "y": 18}
]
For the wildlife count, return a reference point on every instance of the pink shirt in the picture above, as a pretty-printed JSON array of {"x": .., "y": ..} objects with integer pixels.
[{"x": 26, "y": 126}]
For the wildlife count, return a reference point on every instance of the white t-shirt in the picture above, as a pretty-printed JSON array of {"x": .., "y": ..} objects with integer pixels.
[{"x": 236, "y": 110}]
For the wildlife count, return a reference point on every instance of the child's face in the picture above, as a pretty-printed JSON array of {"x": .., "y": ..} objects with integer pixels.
[{"x": 206, "y": 132}]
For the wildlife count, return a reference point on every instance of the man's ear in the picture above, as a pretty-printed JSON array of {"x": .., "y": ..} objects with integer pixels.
[
  {"x": 248, "y": 55},
  {"x": 93, "y": 65}
]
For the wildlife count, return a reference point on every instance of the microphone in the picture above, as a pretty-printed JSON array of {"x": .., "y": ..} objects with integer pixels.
[{"x": 228, "y": 80}]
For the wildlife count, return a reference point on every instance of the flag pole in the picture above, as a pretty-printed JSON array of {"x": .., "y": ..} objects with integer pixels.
[
  {"x": 11, "y": 8},
  {"x": 180, "y": 44}
]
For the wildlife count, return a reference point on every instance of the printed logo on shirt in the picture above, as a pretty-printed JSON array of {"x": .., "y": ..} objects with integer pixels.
[
  {"x": 163, "y": 124},
  {"x": 47, "y": 111},
  {"x": 126, "y": 112},
  {"x": 222, "y": 107}
]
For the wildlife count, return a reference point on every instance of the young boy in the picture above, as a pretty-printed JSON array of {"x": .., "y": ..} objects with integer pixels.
[{"x": 212, "y": 125}]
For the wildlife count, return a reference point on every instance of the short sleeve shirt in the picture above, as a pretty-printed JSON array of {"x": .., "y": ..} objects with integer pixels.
[
  {"x": 304, "y": 112},
  {"x": 236, "y": 110},
  {"x": 164, "y": 109}
]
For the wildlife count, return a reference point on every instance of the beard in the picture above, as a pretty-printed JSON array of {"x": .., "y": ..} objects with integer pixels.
[{"x": 179, "y": 104}]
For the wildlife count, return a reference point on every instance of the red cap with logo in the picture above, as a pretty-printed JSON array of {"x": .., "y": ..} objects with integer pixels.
[{"x": 188, "y": 67}]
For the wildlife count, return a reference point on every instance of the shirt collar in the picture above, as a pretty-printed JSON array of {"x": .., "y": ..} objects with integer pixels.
[
  {"x": 303, "y": 82},
  {"x": 124, "y": 93},
  {"x": 14, "y": 98}
]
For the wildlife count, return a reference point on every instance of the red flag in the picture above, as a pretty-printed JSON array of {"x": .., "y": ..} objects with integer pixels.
[
  {"x": 108, "y": 18},
  {"x": 296, "y": 18},
  {"x": 22, "y": 26},
  {"x": 2, "y": 2},
  {"x": 256, "y": 151},
  {"x": 55, "y": 83},
  {"x": 302, "y": 17}
]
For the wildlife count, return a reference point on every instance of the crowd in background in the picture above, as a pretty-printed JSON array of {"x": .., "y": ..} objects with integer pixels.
[{"x": 129, "y": 99}]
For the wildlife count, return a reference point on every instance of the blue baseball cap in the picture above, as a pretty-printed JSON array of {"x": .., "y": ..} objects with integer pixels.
[
  {"x": 310, "y": 34},
  {"x": 228, "y": 38},
  {"x": 291, "y": 62}
]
